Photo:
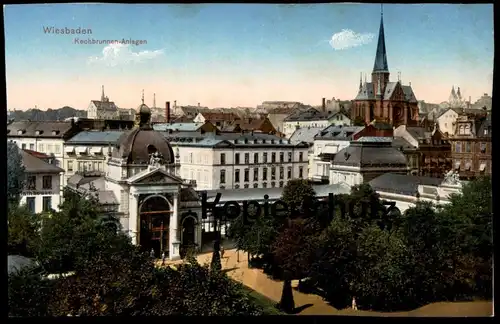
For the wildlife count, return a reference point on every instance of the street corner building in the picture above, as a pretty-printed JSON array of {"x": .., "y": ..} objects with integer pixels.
[{"x": 142, "y": 188}]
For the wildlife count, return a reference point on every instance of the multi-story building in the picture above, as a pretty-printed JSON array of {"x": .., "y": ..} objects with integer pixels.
[
  {"x": 471, "y": 146},
  {"x": 42, "y": 188},
  {"x": 238, "y": 160},
  {"x": 43, "y": 136},
  {"x": 448, "y": 118},
  {"x": 433, "y": 150},
  {"x": 311, "y": 118},
  {"x": 87, "y": 152},
  {"x": 327, "y": 143},
  {"x": 220, "y": 120}
]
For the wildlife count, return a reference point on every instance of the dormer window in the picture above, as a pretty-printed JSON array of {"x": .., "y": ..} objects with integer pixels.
[
  {"x": 235, "y": 141},
  {"x": 55, "y": 132},
  {"x": 39, "y": 132},
  {"x": 263, "y": 141},
  {"x": 21, "y": 132},
  {"x": 255, "y": 141},
  {"x": 246, "y": 140}
]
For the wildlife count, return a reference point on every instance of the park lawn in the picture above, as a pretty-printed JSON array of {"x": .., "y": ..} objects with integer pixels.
[{"x": 267, "y": 304}]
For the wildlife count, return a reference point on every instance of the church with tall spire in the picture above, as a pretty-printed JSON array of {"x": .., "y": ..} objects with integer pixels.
[
  {"x": 381, "y": 99},
  {"x": 102, "y": 109}
]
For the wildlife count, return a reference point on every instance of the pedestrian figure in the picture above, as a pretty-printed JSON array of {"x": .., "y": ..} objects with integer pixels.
[
  {"x": 163, "y": 259},
  {"x": 221, "y": 252},
  {"x": 354, "y": 306},
  {"x": 152, "y": 254}
]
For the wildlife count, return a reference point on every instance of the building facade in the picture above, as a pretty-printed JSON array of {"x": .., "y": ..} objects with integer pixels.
[
  {"x": 102, "y": 109},
  {"x": 310, "y": 118},
  {"x": 471, "y": 146},
  {"x": 238, "y": 160},
  {"x": 42, "y": 191},
  {"x": 381, "y": 99}
]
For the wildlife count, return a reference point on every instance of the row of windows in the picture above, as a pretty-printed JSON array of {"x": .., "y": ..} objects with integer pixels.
[
  {"x": 264, "y": 159},
  {"x": 272, "y": 184},
  {"x": 85, "y": 166},
  {"x": 46, "y": 203},
  {"x": 466, "y": 147},
  {"x": 46, "y": 183},
  {"x": 246, "y": 174}
]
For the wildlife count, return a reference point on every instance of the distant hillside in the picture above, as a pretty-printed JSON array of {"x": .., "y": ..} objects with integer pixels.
[{"x": 49, "y": 114}]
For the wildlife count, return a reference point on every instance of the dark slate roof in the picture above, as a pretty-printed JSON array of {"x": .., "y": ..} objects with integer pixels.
[
  {"x": 47, "y": 129},
  {"x": 418, "y": 132},
  {"x": 96, "y": 137},
  {"x": 377, "y": 154},
  {"x": 305, "y": 134},
  {"x": 307, "y": 115},
  {"x": 35, "y": 165},
  {"x": 402, "y": 144},
  {"x": 460, "y": 111},
  {"x": 18, "y": 262},
  {"x": 340, "y": 133},
  {"x": 485, "y": 125},
  {"x": 134, "y": 146},
  {"x": 178, "y": 127},
  {"x": 189, "y": 194},
  {"x": 366, "y": 92},
  {"x": 402, "y": 184},
  {"x": 105, "y": 105}
]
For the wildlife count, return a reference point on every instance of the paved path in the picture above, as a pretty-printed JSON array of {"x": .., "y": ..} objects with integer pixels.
[{"x": 260, "y": 282}]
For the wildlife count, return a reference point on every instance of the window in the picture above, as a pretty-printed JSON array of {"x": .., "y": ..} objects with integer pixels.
[
  {"x": 30, "y": 203},
  {"x": 47, "y": 182},
  {"x": 222, "y": 176},
  {"x": 282, "y": 173},
  {"x": 273, "y": 173},
  {"x": 282, "y": 157},
  {"x": 49, "y": 148},
  {"x": 273, "y": 184},
  {"x": 40, "y": 147},
  {"x": 57, "y": 149},
  {"x": 467, "y": 147},
  {"x": 264, "y": 157},
  {"x": 482, "y": 147},
  {"x": 301, "y": 172},
  {"x": 264, "y": 185},
  {"x": 246, "y": 175},
  {"x": 273, "y": 157},
  {"x": 467, "y": 129},
  {"x": 289, "y": 156},
  {"x": 81, "y": 166},
  {"x": 461, "y": 130},
  {"x": 47, "y": 203},
  {"x": 23, "y": 146},
  {"x": 256, "y": 174},
  {"x": 255, "y": 185},
  {"x": 32, "y": 147},
  {"x": 31, "y": 183},
  {"x": 301, "y": 156},
  {"x": 458, "y": 147},
  {"x": 190, "y": 157},
  {"x": 237, "y": 175},
  {"x": 247, "y": 158},
  {"x": 70, "y": 166},
  {"x": 281, "y": 184},
  {"x": 264, "y": 174},
  {"x": 222, "y": 158},
  {"x": 237, "y": 158},
  {"x": 246, "y": 186},
  {"x": 99, "y": 165},
  {"x": 289, "y": 173},
  {"x": 256, "y": 158}
]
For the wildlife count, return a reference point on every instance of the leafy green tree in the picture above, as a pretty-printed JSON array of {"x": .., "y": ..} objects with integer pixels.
[
  {"x": 358, "y": 121},
  {"x": 23, "y": 231},
  {"x": 297, "y": 192},
  {"x": 15, "y": 173}
]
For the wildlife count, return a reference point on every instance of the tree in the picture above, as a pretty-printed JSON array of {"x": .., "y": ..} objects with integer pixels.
[
  {"x": 23, "y": 231},
  {"x": 15, "y": 173},
  {"x": 297, "y": 192}
]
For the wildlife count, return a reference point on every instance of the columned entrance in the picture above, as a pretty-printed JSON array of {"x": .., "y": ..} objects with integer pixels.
[{"x": 154, "y": 212}]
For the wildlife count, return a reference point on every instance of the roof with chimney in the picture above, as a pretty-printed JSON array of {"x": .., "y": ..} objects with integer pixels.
[
  {"x": 41, "y": 129},
  {"x": 307, "y": 115}
]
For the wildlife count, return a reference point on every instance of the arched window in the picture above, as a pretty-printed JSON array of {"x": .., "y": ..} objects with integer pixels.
[{"x": 152, "y": 149}]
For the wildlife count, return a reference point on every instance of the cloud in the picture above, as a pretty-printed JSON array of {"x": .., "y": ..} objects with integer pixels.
[
  {"x": 348, "y": 38},
  {"x": 121, "y": 54}
]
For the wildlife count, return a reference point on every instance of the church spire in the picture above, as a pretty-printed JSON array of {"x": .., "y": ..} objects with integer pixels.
[
  {"x": 381, "y": 54},
  {"x": 360, "y": 80}
]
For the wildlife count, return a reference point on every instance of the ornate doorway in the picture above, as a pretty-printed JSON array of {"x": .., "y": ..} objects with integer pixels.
[
  {"x": 188, "y": 238},
  {"x": 155, "y": 213}
]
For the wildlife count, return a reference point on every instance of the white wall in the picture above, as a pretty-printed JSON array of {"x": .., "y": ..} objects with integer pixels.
[
  {"x": 289, "y": 127},
  {"x": 318, "y": 167},
  {"x": 446, "y": 122},
  {"x": 340, "y": 120},
  {"x": 38, "y": 193}
]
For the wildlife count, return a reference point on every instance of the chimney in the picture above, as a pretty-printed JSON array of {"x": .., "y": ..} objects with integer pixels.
[
  {"x": 323, "y": 104},
  {"x": 167, "y": 112}
]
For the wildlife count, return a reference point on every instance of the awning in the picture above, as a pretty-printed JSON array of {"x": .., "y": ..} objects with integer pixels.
[
  {"x": 96, "y": 150},
  {"x": 482, "y": 167},
  {"x": 468, "y": 166},
  {"x": 81, "y": 149},
  {"x": 457, "y": 165},
  {"x": 69, "y": 149}
]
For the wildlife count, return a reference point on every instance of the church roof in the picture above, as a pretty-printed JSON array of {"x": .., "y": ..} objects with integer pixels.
[
  {"x": 380, "y": 64},
  {"x": 366, "y": 92}
]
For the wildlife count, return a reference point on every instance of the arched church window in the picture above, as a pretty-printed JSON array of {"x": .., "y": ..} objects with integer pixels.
[{"x": 461, "y": 130}]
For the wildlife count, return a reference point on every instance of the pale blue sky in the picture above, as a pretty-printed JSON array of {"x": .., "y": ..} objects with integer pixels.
[{"x": 229, "y": 55}]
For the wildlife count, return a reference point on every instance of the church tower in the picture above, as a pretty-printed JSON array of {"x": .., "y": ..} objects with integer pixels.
[{"x": 380, "y": 73}]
